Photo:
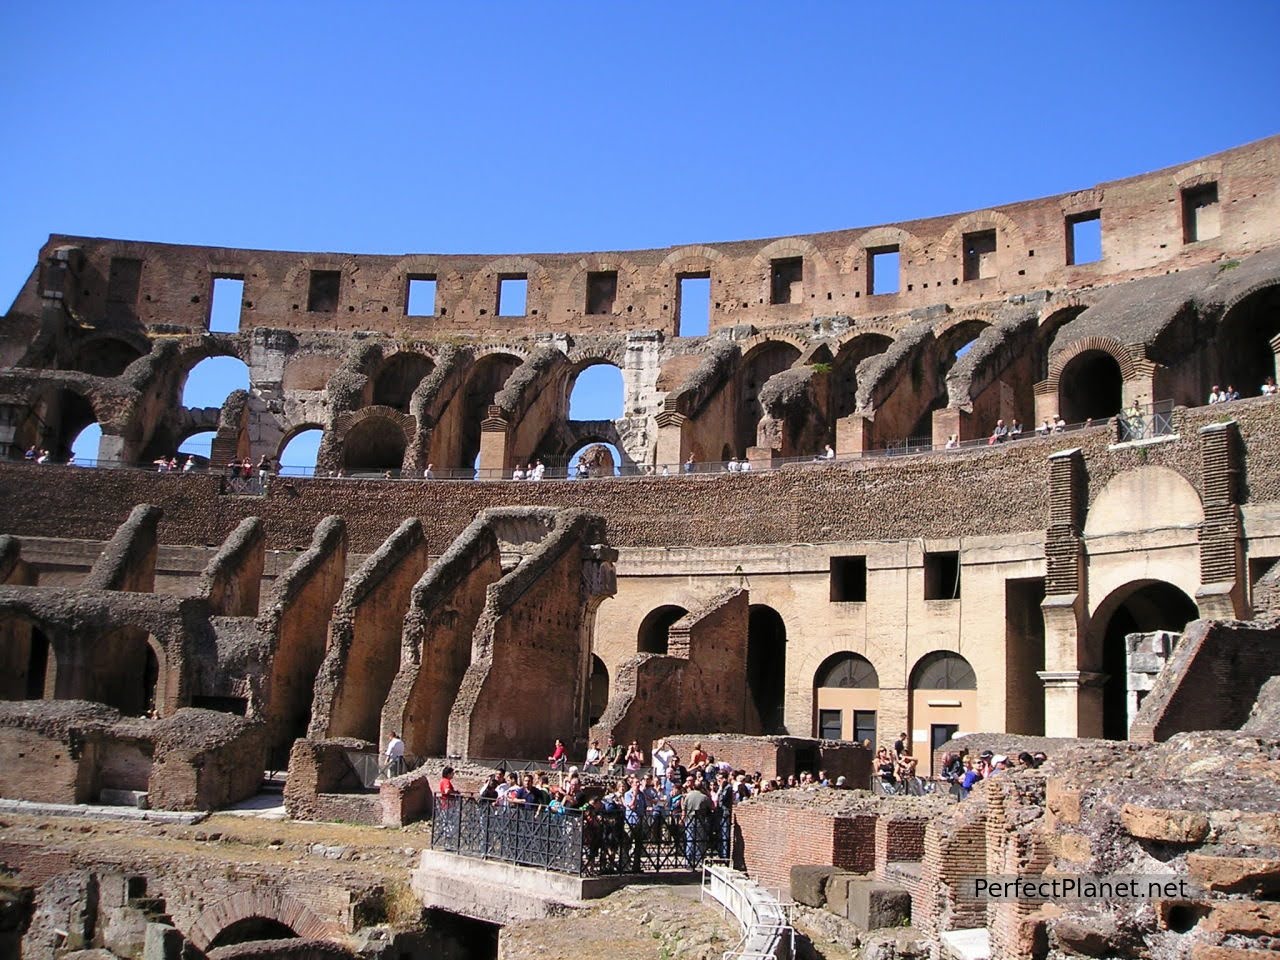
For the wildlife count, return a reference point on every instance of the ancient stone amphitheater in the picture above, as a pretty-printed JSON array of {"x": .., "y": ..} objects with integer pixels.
[{"x": 819, "y": 533}]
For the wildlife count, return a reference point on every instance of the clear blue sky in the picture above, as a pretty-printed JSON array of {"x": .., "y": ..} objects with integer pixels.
[{"x": 394, "y": 127}]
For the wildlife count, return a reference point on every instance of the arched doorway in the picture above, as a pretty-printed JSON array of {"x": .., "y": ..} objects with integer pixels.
[
  {"x": 1245, "y": 357},
  {"x": 950, "y": 345},
  {"x": 767, "y": 666},
  {"x": 757, "y": 367},
  {"x": 298, "y": 453},
  {"x": 373, "y": 444},
  {"x": 84, "y": 448},
  {"x": 250, "y": 929},
  {"x": 488, "y": 376},
  {"x": 70, "y": 415},
  {"x": 846, "y": 698},
  {"x": 1090, "y": 387},
  {"x": 28, "y": 667},
  {"x": 198, "y": 445},
  {"x": 212, "y": 380},
  {"x": 599, "y": 692},
  {"x": 1141, "y": 607},
  {"x": 943, "y": 701},
  {"x": 652, "y": 636},
  {"x": 844, "y": 380},
  {"x": 596, "y": 393}
]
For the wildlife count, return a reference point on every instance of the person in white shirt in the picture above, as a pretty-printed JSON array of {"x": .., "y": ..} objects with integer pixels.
[
  {"x": 1215, "y": 395},
  {"x": 517, "y": 473},
  {"x": 395, "y": 755}
]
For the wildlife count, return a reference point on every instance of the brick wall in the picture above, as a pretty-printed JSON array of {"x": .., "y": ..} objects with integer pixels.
[{"x": 771, "y": 838}]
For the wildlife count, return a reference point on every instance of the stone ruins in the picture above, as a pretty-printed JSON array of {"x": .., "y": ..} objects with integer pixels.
[{"x": 952, "y": 477}]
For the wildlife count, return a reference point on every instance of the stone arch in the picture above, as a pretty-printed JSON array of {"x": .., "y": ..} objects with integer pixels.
[
  {"x": 652, "y": 637},
  {"x": 1122, "y": 355},
  {"x": 484, "y": 285},
  {"x": 274, "y": 905},
  {"x": 598, "y": 694},
  {"x": 1047, "y": 329},
  {"x": 68, "y": 410},
  {"x": 784, "y": 248},
  {"x": 573, "y": 284},
  {"x": 393, "y": 286},
  {"x": 942, "y": 692},
  {"x": 28, "y": 658},
  {"x": 1008, "y": 233},
  {"x": 846, "y": 697},
  {"x": 911, "y": 250},
  {"x": 1090, "y": 387},
  {"x": 1140, "y": 606},
  {"x": 398, "y": 377},
  {"x": 369, "y": 438},
  {"x": 762, "y": 357},
  {"x": 108, "y": 354},
  {"x": 297, "y": 279},
  {"x": 1144, "y": 498},
  {"x": 1250, "y": 323},
  {"x": 844, "y": 367}
]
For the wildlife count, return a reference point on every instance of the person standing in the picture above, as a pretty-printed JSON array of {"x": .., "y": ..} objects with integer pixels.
[{"x": 395, "y": 755}]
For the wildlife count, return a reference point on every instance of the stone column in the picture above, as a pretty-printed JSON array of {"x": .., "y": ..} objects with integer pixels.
[
  {"x": 495, "y": 445},
  {"x": 1072, "y": 700},
  {"x": 952, "y": 420},
  {"x": 854, "y": 434},
  {"x": 671, "y": 445}
]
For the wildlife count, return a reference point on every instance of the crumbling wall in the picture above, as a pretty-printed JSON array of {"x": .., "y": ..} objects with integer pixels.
[
  {"x": 365, "y": 635},
  {"x": 534, "y": 636},
  {"x": 128, "y": 561},
  {"x": 445, "y": 605},
  {"x": 232, "y": 581},
  {"x": 324, "y": 785},
  {"x": 700, "y": 684},
  {"x": 1211, "y": 681},
  {"x": 296, "y": 627},
  {"x": 206, "y": 760}
]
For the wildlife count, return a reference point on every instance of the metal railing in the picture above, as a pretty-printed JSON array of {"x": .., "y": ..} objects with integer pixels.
[
  {"x": 579, "y": 842},
  {"x": 767, "y": 933},
  {"x": 1145, "y": 422}
]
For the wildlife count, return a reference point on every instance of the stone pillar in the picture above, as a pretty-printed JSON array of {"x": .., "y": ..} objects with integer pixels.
[
  {"x": 1223, "y": 575},
  {"x": 671, "y": 445},
  {"x": 112, "y": 448},
  {"x": 1072, "y": 699},
  {"x": 1139, "y": 389},
  {"x": 952, "y": 420},
  {"x": 1046, "y": 395},
  {"x": 761, "y": 458},
  {"x": 495, "y": 445},
  {"x": 854, "y": 434}
]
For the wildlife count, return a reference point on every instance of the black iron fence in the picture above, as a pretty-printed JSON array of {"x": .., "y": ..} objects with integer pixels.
[
  {"x": 1145, "y": 421},
  {"x": 580, "y": 842}
]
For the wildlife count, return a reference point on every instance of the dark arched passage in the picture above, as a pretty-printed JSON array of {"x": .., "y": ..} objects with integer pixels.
[
  {"x": 767, "y": 666},
  {"x": 652, "y": 636},
  {"x": 374, "y": 444},
  {"x": 599, "y": 695},
  {"x": 1090, "y": 387},
  {"x": 249, "y": 929},
  {"x": 1245, "y": 357},
  {"x": 399, "y": 377},
  {"x": 757, "y": 367},
  {"x": 1136, "y": 608}
]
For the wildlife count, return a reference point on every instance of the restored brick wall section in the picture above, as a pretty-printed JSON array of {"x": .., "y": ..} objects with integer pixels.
[
  {"x": 1210, "y": 682},
  {"x": 33, "y": 865},
  {"x": 955, "y": 849},
  {"x": 44, "y": 769},
  {"x": 899, "y": 839},
  {"x": 772, "y": 838}
]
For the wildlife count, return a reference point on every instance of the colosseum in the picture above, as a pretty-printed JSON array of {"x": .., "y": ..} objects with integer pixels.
[{"x": 964, "y": 479}]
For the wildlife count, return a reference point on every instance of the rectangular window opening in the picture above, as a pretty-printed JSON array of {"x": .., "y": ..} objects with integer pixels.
[
  {"x": 883, "y": 270},
  {"x": 1084, "y": 237},
  {"x": 323, "y": 290},
  {"x": 787, "y": 280},
  {"x": 224, "y": 308},
  {"x": 942, "y": 575},
  {"x": 602, "y": 291},
  {"x": 693, "y": 305},
  {"x": 421, "y": 298},
  {"x": 830, "y": 724},
  {"x": 513, "y": 294},
  {"x": 848, "y": 579},
  {"x": 980, "y": 255},
  {"x": 864, "y": 726},
  {"x": 1201, "y": 219}
]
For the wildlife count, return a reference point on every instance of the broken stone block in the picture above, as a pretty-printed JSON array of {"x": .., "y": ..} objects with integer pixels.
[
  {"x": 1169, "y": 826},
  {"x": 874, "y": 906},
  {"x": 162, "y": 942},
  {"x": 809, "y": 883}
]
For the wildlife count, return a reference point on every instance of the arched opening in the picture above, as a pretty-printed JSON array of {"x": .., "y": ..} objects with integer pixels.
[
  {"x": 105, "y": 357},
  {"x": 84, "y": 448},
  {"x": 599, "y": 694},
  {"x": 151, "y": 679},
  {"x": 399, "y": 377},
  {"x": 198, "y": 445},
  {"x": 757, "y": 367},
  {"x": 1245, "y": 357},
  {"x": 487, "y": 378},
  {"x": 1090, "y": 387},
  {"x": 1047, "y": 333},
  {"x": 127, "y": 671},
  {"x": 943, "y": 702},
  {"x": 767, "y": 666},
  {"x": 844, "y": 380},
  {"x": 249, "y": 929},
  {"x": 69, "y": 414},
  {"x": 846, "y": 698},
  {"x": 655, "y": 628},
  {"x": 298, "y": 454},
  {"x": 27, "y": 664},
  {"x": 950, "y": 346},
  {"x": 593, "y": 458},
  {"x": 374, "y": 444},
  {"x": 212, "y": 380},
  {"x": 596, "y": 393},
  {"x": 1135, "y": 608}
]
